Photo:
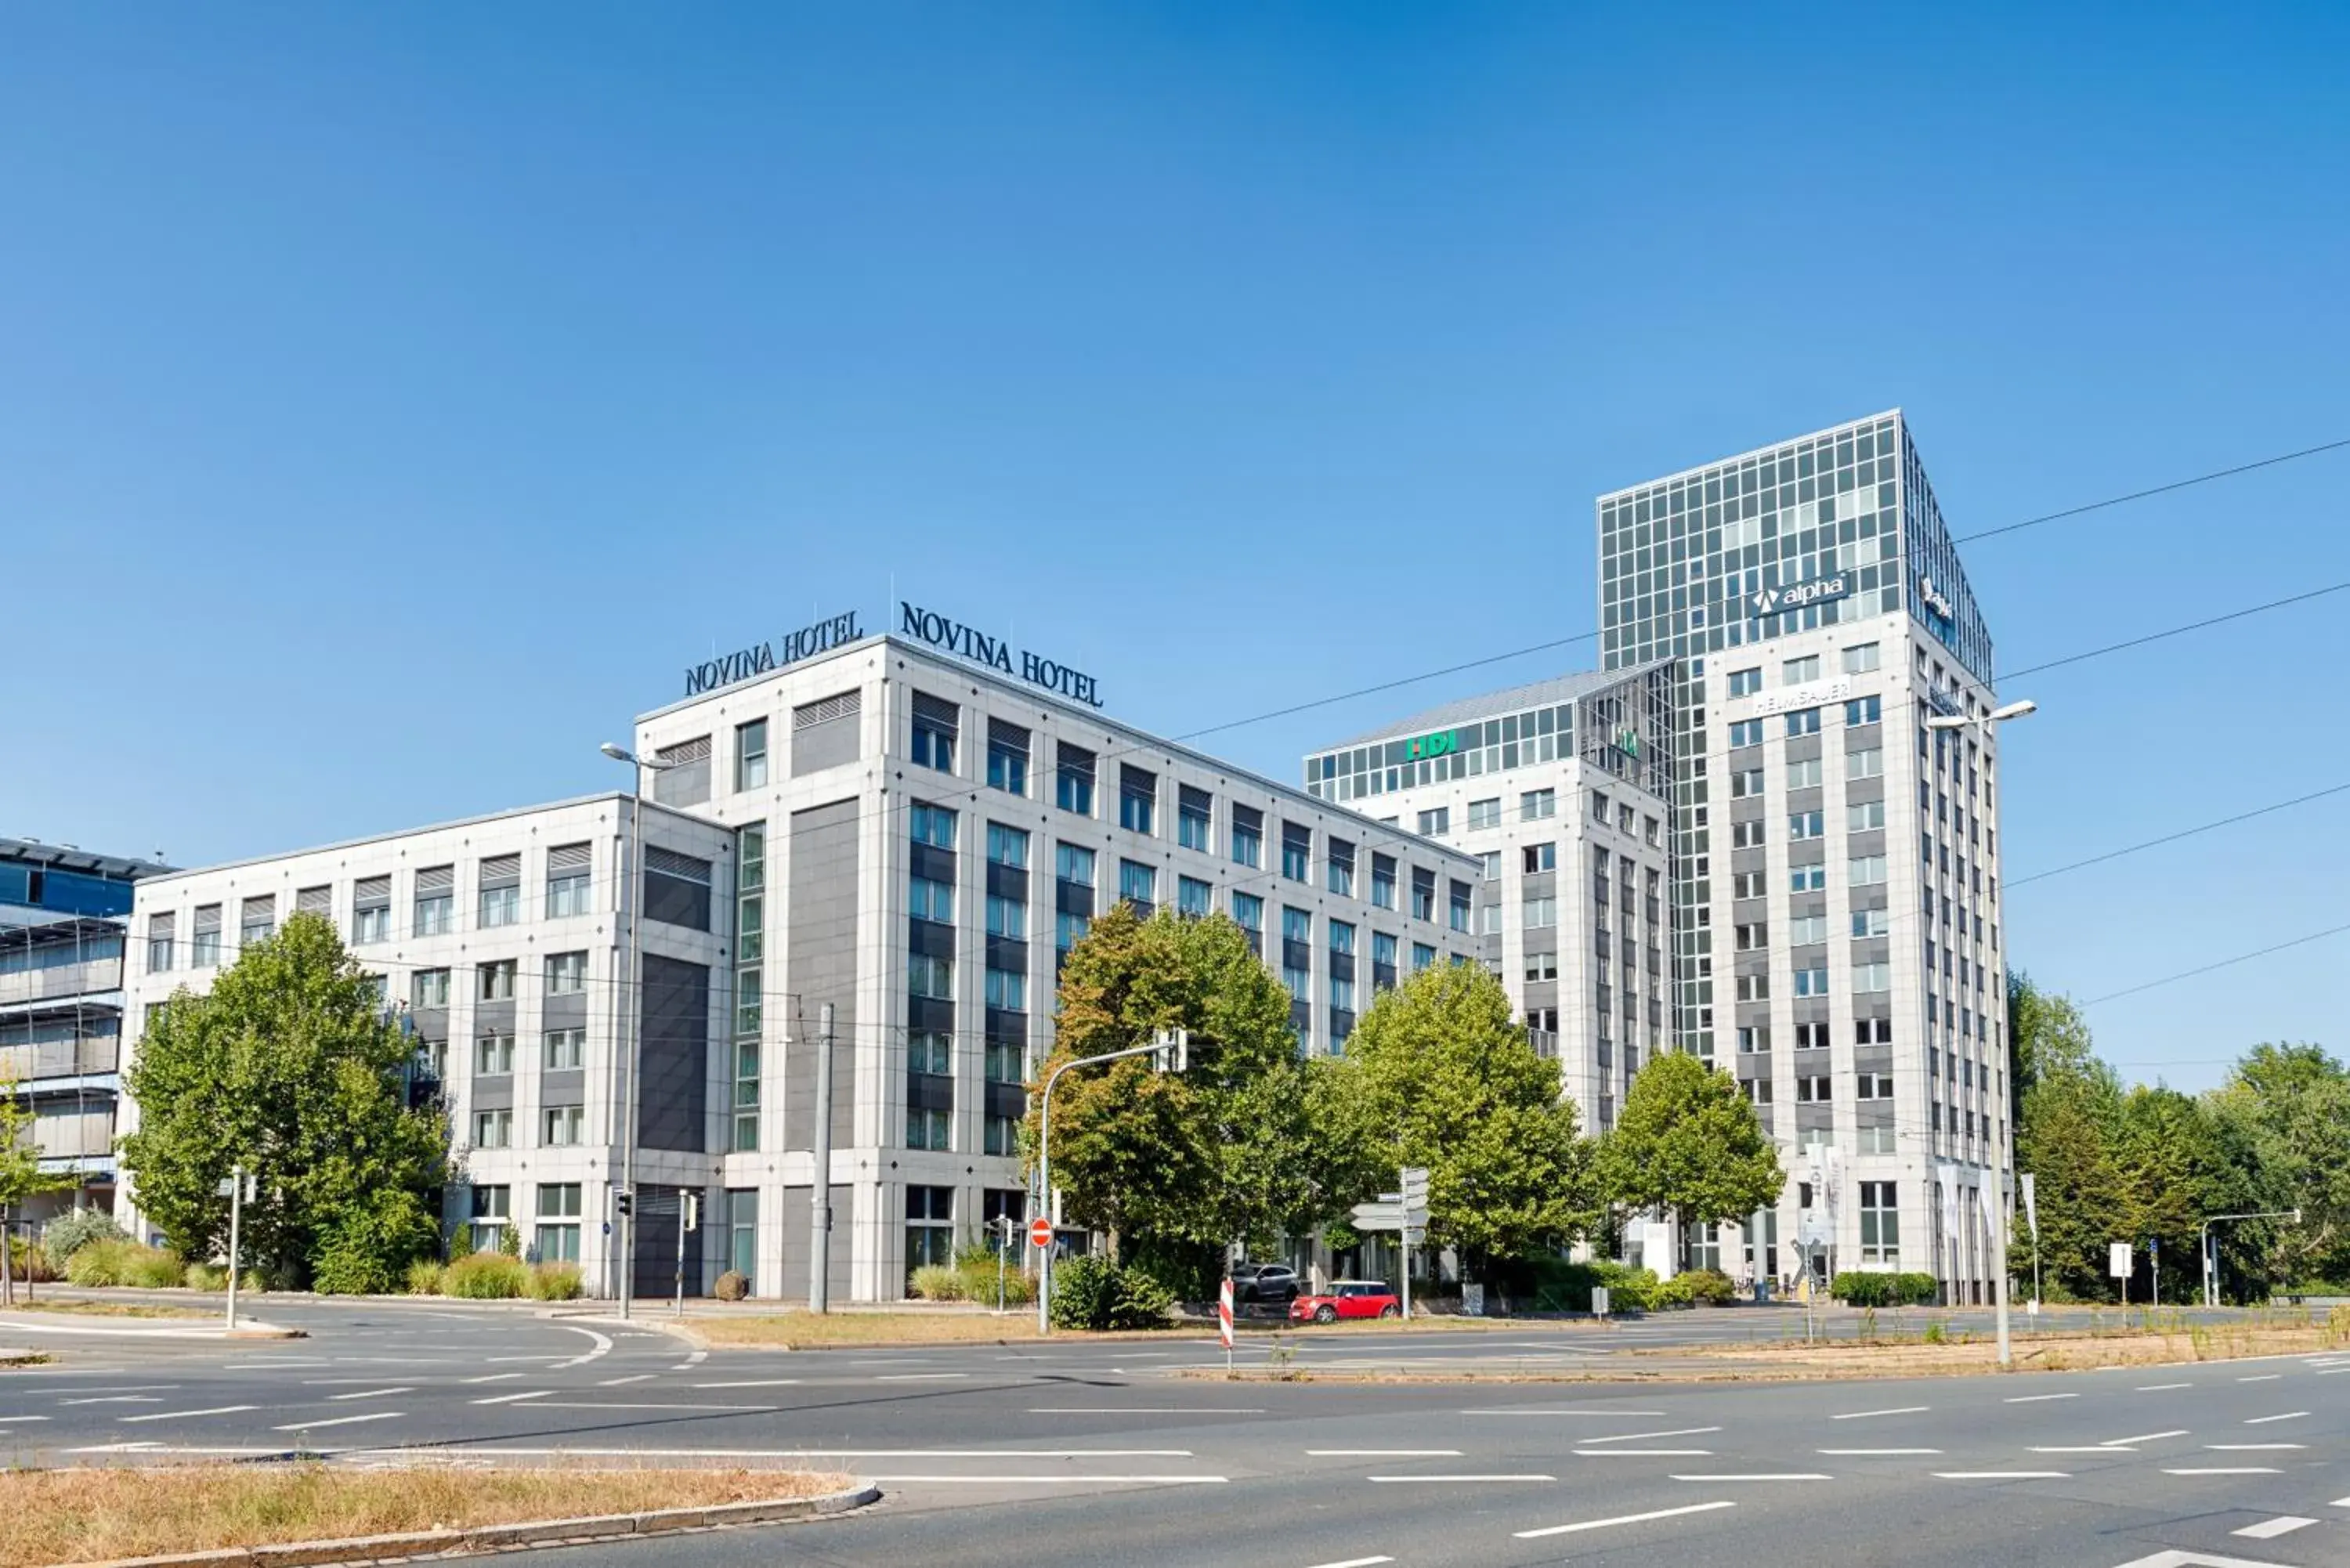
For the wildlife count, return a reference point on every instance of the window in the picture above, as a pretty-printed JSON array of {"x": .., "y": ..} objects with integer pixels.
[
  {"x": 1541, "y": 966},
  {"x": 1651, "y": 830},
  {"x": 930, "y": 1051},
  {"x": 1864, "y": 711},
  {"x": 1194, "y": 826},
  {"x": 1754, "y": 1037},
  {"x": 1074, "y": 779},
  {"x": 1869, "y": 922},
  {"x": 1746, "y": 783},
  {"x": 1068, "y": 929},
  {"x": 1137, "y": 800},
  {"x": 1296, "y": 851},
  {"x": 1805, "y": 931},
  {"x": 1880, "y": 1220},
  {"x": 1745, "y": 682},
  {"x": 1383, "y": 955},
  {"x": 935, "y": 723},
  {"x": 1873, "y": 1086},
  {"x": 1757, "y": 1090},
  {"x": 1796, "y": 671},
  {"x": 1489, "y": 920},
  {"x": 557, "y": 1239},
  {"x": 1746, "y": 733},
  {"x": 1803, "y": 772},
  {"x": 1074, "y": 864},
  {"x": 1864, "y": 764},
  {"x": 1437, "y": 823},
  {"x": 1810, "y": 1036},
  {"x": 1007, "y": 989},
  {"x": 563, "y": 1126},
  {"x": 1747, "y": 834},
  {"x": 158, "y": 943},
  {"x": 1743, "y": 884},
  {"x": 1383, "y": 882},
  {"x": 926, "y": 1129},
  {"x": 1540, "y": 858},
  {"x": 493, "y": 1056},
  {"x": 566, "y": 973},
  {"x": 1599, "y": 812},
  {"x": 742, "y": 1231},
  {"x": 1422, "y": 957},
  {"x": 1485, "y": 813},
  {"x": 203, "y": 944},
  {"x": 1872, "y": 1031},
  {"x": 1008, "y": 917},
  {"x": 1006, "y": 1062},
  {"x": 436, "y": 888},
  {"x": 1866, "y": 870},
  {"x": 372, "y": 910},
  {"x": 1811, "y": 982},
  {"x": 1864, "y": 816},
  {"x": 1805, "y": 824},
  {"x": 1815, "y": 1091},
  {"x": 1007, "y": 757},
  {"x": 1806, "y": 879},
  {"x": 750, "y": 755},
  {"x": 1248, "y": 835},
  {"x": 929, "y": 976},
  {"x": 1804, "y": 721},
  {"x": 1457, "y": 911},
  {"x": 259, "y": 919},
  {"x": 492, "y": 1129},
  {"x": 492, "y": 1212},
  {"x": 567, "y": 869},
  {"x": 1872, "y": 977},
  {"x": 1339, "y": 869},
  {"x": 1248, "y": 913},
  {"x": 1753, "y": 988},
  {"x": 930, "y": 1227},
  {"x": 1750, "y": 938},
  {"x": 1002, "y": 1135},
  {"x": 1541, "y": 912},
  {"x": 1488, "y": 865},
  {"x": 1193, "y": 897},
  {"x": 1007, "y": 845},
  {"x": 497, "y": 979},
  {"x": 1860, "y": 659},
  {"x": 930, "y": 900},
  {"x": 429, "y": 989},
  {"x": 563, "y": 1050},
  {"x": 933, "y": 826},
  {"x": 1296, "y": 925},
  {"x": 1533, "y": 805},
  {"x": 1423, "y": 893},
  {"x": 1137, "y": 884}
]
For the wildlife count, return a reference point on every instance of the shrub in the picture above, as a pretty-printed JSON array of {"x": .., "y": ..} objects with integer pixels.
[
  {"x": 1912, "y": 1289},
  {"x": 104, "y": 1264},
  {"x": 1936, "y": 1333},
  {"x": 367, "y": 1247},
  {"x": 1857, "y": 1288},
  {"x": 63, "y": 1237},
  {"x": 731, "y": 1287},
  {"x": 1677, "y": 1292},
  {"x": 510, "y": 1240},
  {"x": 1561, "y": 1286},
  {"x": 978, "y": 1284},
  {"x": 553, "y": 1282},
  {"x": 424, "y": 1278},
  {"x": 27, "y": 1261},
  {"x": 1708, "y": 1285},
  {"x": 936, "y": 1282},
  {"x": 1094, "y": 1293},
  {"x": 484, "y": 1276},
  {"x": 206, "y": 1277}
]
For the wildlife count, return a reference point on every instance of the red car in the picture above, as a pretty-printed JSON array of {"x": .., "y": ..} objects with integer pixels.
[{"x": 1346, "y": 1298}]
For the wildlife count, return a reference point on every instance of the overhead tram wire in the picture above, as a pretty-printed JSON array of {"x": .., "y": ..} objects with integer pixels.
[
  {"x": 2016, "y": 882},
  {"x": 2158, "y": 490},
  {"x": 2223, "y": 963}
]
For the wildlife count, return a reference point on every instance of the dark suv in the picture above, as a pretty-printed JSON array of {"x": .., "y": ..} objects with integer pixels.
[{"x": 1265, "y": 1282}]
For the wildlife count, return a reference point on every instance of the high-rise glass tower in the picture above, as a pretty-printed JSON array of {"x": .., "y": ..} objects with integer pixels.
[{"x": 1836, "y": 862}]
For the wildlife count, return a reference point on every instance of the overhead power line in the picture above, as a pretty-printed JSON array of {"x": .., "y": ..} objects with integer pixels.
[
  {"x": 2223, "y": 963},
  {"x": 2158, "y": 490},
  {"x": 2016, "y": 882},
  {"x": 2174, "y": 632}
]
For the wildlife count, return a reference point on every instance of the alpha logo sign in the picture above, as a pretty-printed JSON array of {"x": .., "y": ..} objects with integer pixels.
[
  {"x": 1933, "y": 600},
  {"x": 951, "y": 636},
  {"x": 1442, "y": 743},
  {"x": 762, "y": 658},
  {"x": 1796, "y": 596}
]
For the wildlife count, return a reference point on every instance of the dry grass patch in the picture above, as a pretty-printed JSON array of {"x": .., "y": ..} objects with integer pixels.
[
  {"x": 98, "y": 1515},
  {"x": 115, "y": 1309},
  {"x": 854, "y": 1330},
  {"x": 1910, "y": 1355}
]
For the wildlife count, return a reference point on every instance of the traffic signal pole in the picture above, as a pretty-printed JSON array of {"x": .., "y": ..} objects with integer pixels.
[{"x": 1172, "y": 1049}]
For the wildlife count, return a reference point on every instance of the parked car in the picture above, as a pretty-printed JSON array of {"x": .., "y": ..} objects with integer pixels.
[
  {"x": 1346, "y": 1298},
  {"x": 1265, "y": 1282}
]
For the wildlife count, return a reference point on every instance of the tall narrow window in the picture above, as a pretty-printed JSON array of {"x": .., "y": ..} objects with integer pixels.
[
  {"x": 1193, "y": 826},
  {"x": 436, "y": 893},
  {"x": 372, "y": 911},
  {"x": 750, "y": 755},
  {"x": 934, "y": 728},
  {"x": 1248, "y": 835},
  {"x": 567, "y": 869},
  {"x": 1007, "y": 757},
  {"x": 1137, "y": 800},
  {"x": 501, "y": 890},
  {"x": 1074, "y": 779}
]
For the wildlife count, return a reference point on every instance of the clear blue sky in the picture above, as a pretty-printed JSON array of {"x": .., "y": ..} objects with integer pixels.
[{"x": 392, "y": 399}]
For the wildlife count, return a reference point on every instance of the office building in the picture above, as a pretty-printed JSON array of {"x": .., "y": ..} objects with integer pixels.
[
  {"x": 63, "y": 913},
  {"x": 1559, "y": 790},
  {"x": 910, "y": 830},
  {"x": 1813, "y": 605}
]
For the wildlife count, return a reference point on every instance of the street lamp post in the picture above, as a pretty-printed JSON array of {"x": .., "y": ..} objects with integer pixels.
[
  {"x": 627, "y": 1217},
  {"x": 1981, "y": 724},
  {"x": 2211, "y": 1265},
  {"x": 1165, "y": 1042}
]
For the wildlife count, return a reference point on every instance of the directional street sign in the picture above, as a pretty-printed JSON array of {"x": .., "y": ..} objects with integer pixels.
[
  {"x": 1415, "y": 1186},
  {"x": 1386, "y": 1216}
]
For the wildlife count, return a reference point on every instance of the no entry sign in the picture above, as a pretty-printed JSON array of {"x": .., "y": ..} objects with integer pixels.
[{"x": 1040, "y": 1232}]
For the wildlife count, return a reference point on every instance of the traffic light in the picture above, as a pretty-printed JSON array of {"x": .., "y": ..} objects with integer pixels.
[
  {"x": 1171, "y": 1050},
  {"x": 694, "y": 1210},
  {"x": 624, "y": 1203}
]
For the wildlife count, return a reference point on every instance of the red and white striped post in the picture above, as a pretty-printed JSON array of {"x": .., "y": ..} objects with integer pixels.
[{"x": 1224, "y": 1320}]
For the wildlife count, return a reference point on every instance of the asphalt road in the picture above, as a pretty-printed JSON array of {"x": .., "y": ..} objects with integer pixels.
[{"x": 1089, "y": 1453}]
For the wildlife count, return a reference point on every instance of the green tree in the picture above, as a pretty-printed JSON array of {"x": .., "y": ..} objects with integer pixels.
[
  {"x": 1181, "y": 1165},
  {"x": 1688, "y": 1142},
  {"x": 1438, "y": 1074},
  {"x": 2181, "y": 1167},
  {"x": 2288, "y": 1108},
  {"x": 289, "y": 1067},
  {"x": 21, "y": 1175},
  {"x": 2046, "y": 1036}
]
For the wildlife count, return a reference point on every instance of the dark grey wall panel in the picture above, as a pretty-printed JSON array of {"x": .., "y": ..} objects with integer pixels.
[
  {"x": 799, "y": 1237},
  {"x": 825, "y": 745},
  {"x": 674, "y": 1054},
  {"x": 567, "y": 1012},
  {"x": 675, "y": 901},
  {"x": 567, "y": 1087},
  {"x": 820, "y": 957}
]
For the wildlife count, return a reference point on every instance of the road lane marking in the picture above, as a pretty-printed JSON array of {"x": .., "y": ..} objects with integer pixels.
[
  {"x": 1568, "y": 1410},
  {"x": 501, "y": 1377},
  {"x": 1644, "y": 1453},
  {"x": 2263, "y": 1378},
  {"x": 602, "y": 1453},
  {"x": 340, "y": 1421},
  {"x": 2270, "y": 1528},
  {"x": 617, "y": 1382},
  {"x": 2082, "y": 1448},
  {"x": 1382, "y": 1453},
  {"x": 18, "y": 1420},
  {"x": 272, "y": 1364},
  {"x": 748, "y": 1382},
  {"x": 601, "y": 1346},
  {"x": 1606, "y": 1523},
  {"x": 1052, "y": 1480},
  {"x": 2264, "y": 1420},
  {"x": 116, "y": 1399},
  {"x": 494, "y": 1360},
  {"x": 2158, "y": 1387},
  {"x": 1637, "y": 1437},
  {"x": 511, "y": 1399},
  {"x": 2037, "y": 1398},
  {"x": 920, "y": 1376},
  {"x": 591, "y": 1405},
  {"x": 1457, "y": 1479},
  {"x": 1349, "y": 1562},
  {"x": 1759, "y": 1476},
  {"x": 1868, "y": 1453},
  {"x": 1897, "y": 1410},
  {"x": 2225, "y": 1470},
  {"x": 2146, "y": 1437},
  {"x": 1145, "y": 1409},
  {"x": 2252, "y": 1448},
  {"x": 177, "y": 1415},
  {"x": 372, "y": 1393},
  {"x": 2003, "y": 1475}
]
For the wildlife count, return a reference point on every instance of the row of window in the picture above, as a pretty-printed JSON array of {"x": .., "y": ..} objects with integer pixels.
[
  {"x": 1801, "y": 721},
  {"x": 555, "y": 1237},
  {"x": 1859, "y": 658},
  {"x": 1809, "y": 772},
  {"x": 1867, "y": 980},
  {"x": 565, "y": 975}
]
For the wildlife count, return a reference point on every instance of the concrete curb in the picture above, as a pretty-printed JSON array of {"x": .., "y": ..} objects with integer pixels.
[{"x": 521, "y": 1536}]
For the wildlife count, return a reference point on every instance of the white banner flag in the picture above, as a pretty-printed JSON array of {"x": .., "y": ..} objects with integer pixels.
[{"x": 2030, "y": 1208}]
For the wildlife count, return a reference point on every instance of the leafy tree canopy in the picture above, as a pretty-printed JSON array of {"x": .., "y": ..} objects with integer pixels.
[{"x": 1688, "y": 1141}]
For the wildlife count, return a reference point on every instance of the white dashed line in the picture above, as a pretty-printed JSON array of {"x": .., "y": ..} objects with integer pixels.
[
  {"x": 2270, "y": 1528},
  {"x": 600, "y": 1347},
  {"x": 2263, "y": 1378},
  {"x": 1602, "y": 1523},
  {"x": 16, "y": 1420},
  {"x": 1382, "y": 1453},
  {"x": 1052, "y": 1480},
  {"x": 177, "y": 1415},
  {"x": 2253, "y": 1447},
  {"x": 1146, "y": 1410},
  {"x": 2146, "y": 1437},
  {"x": 1457, "y": 1480},
  {"x": 2038, "y": 1399},
  {"x": 1764, "y": 1476},
  {"x": 2158, "y": 1387},
  {"x": 340, "y": 1421},
  {"x": 1897, "y": 1410},
  {"x": 511, "y": 1399},
  {"x": 498, "y": 1377},
  {"x": 115, "y": 1399},
  {"x": 1644, "y": 1453},
  {"x": 2264, "y": 1420},
  {"x": 2003, "y": 1475},
  {"x": 1349, "y": 1562},
  {"x": 920, "y": 1376},
  {"x": 1639, "y": 1437},
  {"x": 2225, "y": 1470},
  {"x": 617, "y": 1382},
  {"x": 750, "y": 1383},
  {"x": 1873, "y": 1453},
  {"x": 1579, "y": 1410},
  {"x": 372, "y": 1393}
]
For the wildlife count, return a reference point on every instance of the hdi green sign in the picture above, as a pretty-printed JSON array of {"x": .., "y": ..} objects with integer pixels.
[{"x": 1442, "y": 743}]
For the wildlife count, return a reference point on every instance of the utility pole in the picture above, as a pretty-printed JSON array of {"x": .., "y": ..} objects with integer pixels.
[{"x": 820, "y": 1190}]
